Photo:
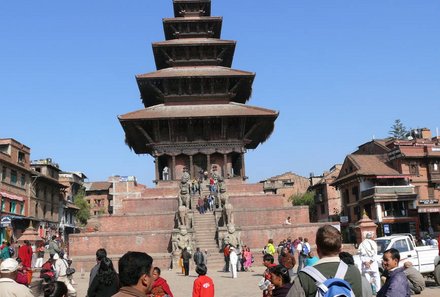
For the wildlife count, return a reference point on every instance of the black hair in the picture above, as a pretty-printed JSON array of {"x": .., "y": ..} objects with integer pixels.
[
  {"x": 157, "y": 269},
  {"x": 268, "y": 257},
  {"x": 132, "y": 266},
  {"x": 101, "y": 254},
  {"x": 394, "y": 254},
  {"x": 106, "y": 273},
  {"x": 201, "y": 269},
  {"x": 54, "y": 237},
  {"x": 55, "y": 289},
  {"x": 347, "y": 258},
  {"x": 282, "y": 272}
]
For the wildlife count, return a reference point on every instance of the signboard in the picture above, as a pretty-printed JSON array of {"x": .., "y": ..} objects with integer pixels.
[
  {"x": 428, "y": 201},
  {"x": 6, "y": 221},
  {"x": 344, "y": 219},
  {"x": 428, "y": 209},
  {"x": 386, "y": 228}
]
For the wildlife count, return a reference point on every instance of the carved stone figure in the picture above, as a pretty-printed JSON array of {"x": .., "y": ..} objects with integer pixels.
[
  {"x": 182, "y": 216},
  {"x": 184, "y": 194},
  {"x": 181, "y": 240},
  {"x": 223, "y": 196},
  {"x": 228, "y": 217},
  {"x": 232, "y": 237}
]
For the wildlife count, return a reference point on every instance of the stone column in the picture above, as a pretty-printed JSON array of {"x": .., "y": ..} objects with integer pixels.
[
  {"x": 156, "y": 165},
  {"x": 191, "y": 166},
  {"x": 208, "y": 163},
  {"x": 225, "y": 165},
  {"x": 243, "y": 170},
  {"x": 173, "y": 170}
]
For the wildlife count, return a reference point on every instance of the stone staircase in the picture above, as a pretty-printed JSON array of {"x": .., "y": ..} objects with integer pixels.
[{"x": 205, "y": 235}]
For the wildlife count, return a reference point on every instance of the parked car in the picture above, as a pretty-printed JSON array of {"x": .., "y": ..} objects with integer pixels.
[{"x": 425, "y": 259}]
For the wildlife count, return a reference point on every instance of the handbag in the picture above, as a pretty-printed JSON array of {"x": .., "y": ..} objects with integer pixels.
[{"x": 69, "y": 270}]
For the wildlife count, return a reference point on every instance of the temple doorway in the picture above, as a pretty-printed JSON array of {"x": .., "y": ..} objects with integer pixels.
[{"x": 200, "y": 164}]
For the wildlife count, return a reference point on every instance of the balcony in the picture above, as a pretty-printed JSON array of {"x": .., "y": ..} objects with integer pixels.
[
  {"x": 390, "y": 193},
  {"x": 434, "y": 177}
]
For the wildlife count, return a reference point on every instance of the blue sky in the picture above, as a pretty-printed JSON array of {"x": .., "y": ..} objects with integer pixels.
[{"x": 339, "y": 72}]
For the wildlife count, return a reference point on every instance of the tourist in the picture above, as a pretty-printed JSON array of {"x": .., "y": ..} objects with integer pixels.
[
  {"x": 205, "y": 257},
  {"x": 201, "y": 205},
  {"x": 100, "y": 254},
  {"x": 366, "y": 286},
  {"x": 135, "y": 274},
  {"x": 301, "y": 256},
  {"x": 25, "y": 254},
  {"x": 280, "y": 279},
  {"x": 47, "y": 271},
  {"x": 8, "y": 285},
  {"x": 226, "y": 252},
  {"x": 288, "y": 261},
  {"x": 329, "y": 244},
  {"x": 40, "y": 255},
  {"x": 268, "y": 263},
  {"x": 54, "y": 248},
  {"x": 270, "y": 248},
  {"x": 203, "y": 284},
  {"x": 165, "y": 173},
  {"x": 160, "y": 286},
  {"x": 4, "y": 253},
  {"x": 233, "y": 260},
  {"x": 288, "y": 221},
  {"x": 186, "y": 257},
  {"x": 396, "y": 284},
  {"x": 55, "y": 289},
  {"x": 416, "y": 281},
  {"x": 61, "y": 266},
  {"x": 198, "y": 257},
  {"x": 369, "y": 267},
  {"x": 248, "y": 259},
  {"x": 311, "y": 259},
  {"x": 106, "y": 282}
]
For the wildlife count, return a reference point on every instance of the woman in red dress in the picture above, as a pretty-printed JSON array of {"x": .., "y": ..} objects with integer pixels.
[{"x": 160, "y": 286}]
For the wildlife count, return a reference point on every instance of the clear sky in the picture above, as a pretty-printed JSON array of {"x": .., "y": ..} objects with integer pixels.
[{"x": 340, "y": 72}]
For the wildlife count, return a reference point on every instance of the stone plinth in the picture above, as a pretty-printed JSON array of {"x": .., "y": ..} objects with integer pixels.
[
  {"x": 363, "y": 227},
  {"x": 149, "y": 205},
  {"x": 136, "y": 222}
]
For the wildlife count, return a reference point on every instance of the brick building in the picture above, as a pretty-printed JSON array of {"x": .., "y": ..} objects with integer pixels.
[
  {"x": 73, "y": 181},
  {"x": 14, "y": 187},
  {"x": 47, "y": 197},
  {"x": 327, "y": 197},
  {"x": 99, "y": 197},
  {"x": 286, "y": 184},
  {"x": 396, "y": 182}
]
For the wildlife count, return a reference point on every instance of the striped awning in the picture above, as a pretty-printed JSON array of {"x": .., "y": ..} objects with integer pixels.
[{"x": 12, "y": 196}]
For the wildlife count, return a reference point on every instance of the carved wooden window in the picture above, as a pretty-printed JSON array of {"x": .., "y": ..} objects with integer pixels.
[{"x": 414, "y": 168}]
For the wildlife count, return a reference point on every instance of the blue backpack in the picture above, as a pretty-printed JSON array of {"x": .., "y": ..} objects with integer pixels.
[
  {"x": 305, "y": 249},
  {"x": 331, "y": 287}
]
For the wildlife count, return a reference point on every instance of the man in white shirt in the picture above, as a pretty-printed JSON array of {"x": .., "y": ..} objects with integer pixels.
[
  {"x": 370, "y": 268},
  {"x": 8, "y": 286},
  {"x": 233, "y": 259},
  {"x": 60, "y": 273},
  {"x": 301, "y": 258}
]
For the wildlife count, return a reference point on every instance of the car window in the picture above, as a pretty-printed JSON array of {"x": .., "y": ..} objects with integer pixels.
[
  {"x": 382, "y": 245},
  {"x": 400, "y": 245}
]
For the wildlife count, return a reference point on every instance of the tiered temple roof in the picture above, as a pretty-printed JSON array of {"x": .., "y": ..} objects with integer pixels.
[{"x": 195, "y": 102}]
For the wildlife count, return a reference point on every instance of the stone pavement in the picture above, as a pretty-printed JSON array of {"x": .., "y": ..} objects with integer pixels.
[{"x": 243, "y": 286}]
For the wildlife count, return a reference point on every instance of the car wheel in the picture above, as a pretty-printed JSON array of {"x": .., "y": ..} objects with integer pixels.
[{"x": 437, "y": 274}]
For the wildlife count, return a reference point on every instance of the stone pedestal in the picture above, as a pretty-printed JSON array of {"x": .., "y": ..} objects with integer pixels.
[{"x": 363, "y": 227}]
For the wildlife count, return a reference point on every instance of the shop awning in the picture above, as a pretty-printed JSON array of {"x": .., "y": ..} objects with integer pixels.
[{"x": 12, "y": 196}]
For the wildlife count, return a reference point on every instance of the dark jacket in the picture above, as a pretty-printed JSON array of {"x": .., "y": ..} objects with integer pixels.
[
  {"x": 99, "y": 289},
  {"x": 396, "y": 285},
  {"x": 186, "y": 256},
  {"x": 198, "y": 257}
]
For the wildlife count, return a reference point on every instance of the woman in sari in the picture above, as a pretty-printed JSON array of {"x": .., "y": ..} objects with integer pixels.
[{"x": 160, "y": 286}]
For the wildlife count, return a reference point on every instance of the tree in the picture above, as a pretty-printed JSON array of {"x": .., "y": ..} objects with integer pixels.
[
  {"x": 83, "y": 213},
  {"x": 307, "y": 198},
  {"x": 398, "y": 130}
]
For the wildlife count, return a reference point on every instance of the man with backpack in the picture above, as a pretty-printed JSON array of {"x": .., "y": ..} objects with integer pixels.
[{"x": 334, "y": 277}]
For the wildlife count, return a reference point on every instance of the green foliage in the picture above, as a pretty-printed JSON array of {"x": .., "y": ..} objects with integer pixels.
[
  {"x": 307, "y": 198},
  {"x": 398, "y": 130},
  {"x": 83, "y": 213}
]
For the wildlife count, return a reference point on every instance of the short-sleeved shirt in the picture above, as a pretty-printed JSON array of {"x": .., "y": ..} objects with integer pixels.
[{"x": 9, "y": 288}]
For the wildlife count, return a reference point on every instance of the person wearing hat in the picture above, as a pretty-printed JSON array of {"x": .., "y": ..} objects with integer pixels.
[
  {"x": 60, "y": 266},
  {"x": 370, "y": 268},
  {"x": 233, "y": 259},
  {"x": 8, "y": 285}
]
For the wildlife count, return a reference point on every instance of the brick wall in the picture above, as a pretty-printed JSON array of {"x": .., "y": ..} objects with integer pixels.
[
  {"x": 264, "y": 217},
  {"x": 149, "y": 205},
  {"x": 257, "y": 201},
  {"x": 136, "y": 222}
]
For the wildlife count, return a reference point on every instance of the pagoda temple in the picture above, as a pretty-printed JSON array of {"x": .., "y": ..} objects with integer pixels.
[{"x": 195, "y": 113}]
